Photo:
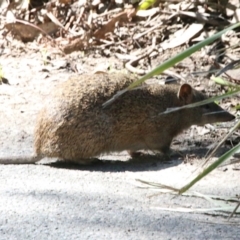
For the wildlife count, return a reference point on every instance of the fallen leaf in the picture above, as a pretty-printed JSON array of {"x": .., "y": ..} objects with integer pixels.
[{"x": 183, "y": 36}]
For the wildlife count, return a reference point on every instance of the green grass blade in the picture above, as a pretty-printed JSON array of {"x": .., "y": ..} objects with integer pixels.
[
  {"x": 211, "y": 167},
  {"x": 179, "y": 57},
  {"x": 223, "y": 82},
  {"x": 171, "y": 62},
  {"x": 221, "y": 142},
  {"x": 209, "y": 100}
]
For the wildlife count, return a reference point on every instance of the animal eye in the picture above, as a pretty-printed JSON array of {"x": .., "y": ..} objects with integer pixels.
[{"x": 207, "y": 106}]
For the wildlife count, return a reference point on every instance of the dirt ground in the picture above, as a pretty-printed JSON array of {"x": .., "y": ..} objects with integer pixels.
[{"x": 100, "y": 201}]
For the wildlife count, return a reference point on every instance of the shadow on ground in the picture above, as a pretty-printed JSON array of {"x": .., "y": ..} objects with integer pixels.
[{"x": 143, "y": 163}]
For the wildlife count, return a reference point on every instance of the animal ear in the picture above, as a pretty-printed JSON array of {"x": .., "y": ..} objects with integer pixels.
[{"x": 185, "y": 93}]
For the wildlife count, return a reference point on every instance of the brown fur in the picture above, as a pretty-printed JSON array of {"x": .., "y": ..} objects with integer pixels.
[{"x": 73, "y": 126}]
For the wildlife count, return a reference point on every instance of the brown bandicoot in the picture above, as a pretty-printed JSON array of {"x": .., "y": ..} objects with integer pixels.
[{"x": 73, "y": 126}]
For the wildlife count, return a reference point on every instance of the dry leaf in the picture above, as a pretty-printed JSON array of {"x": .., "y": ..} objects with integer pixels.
[{"x": 183, "y": 36}]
